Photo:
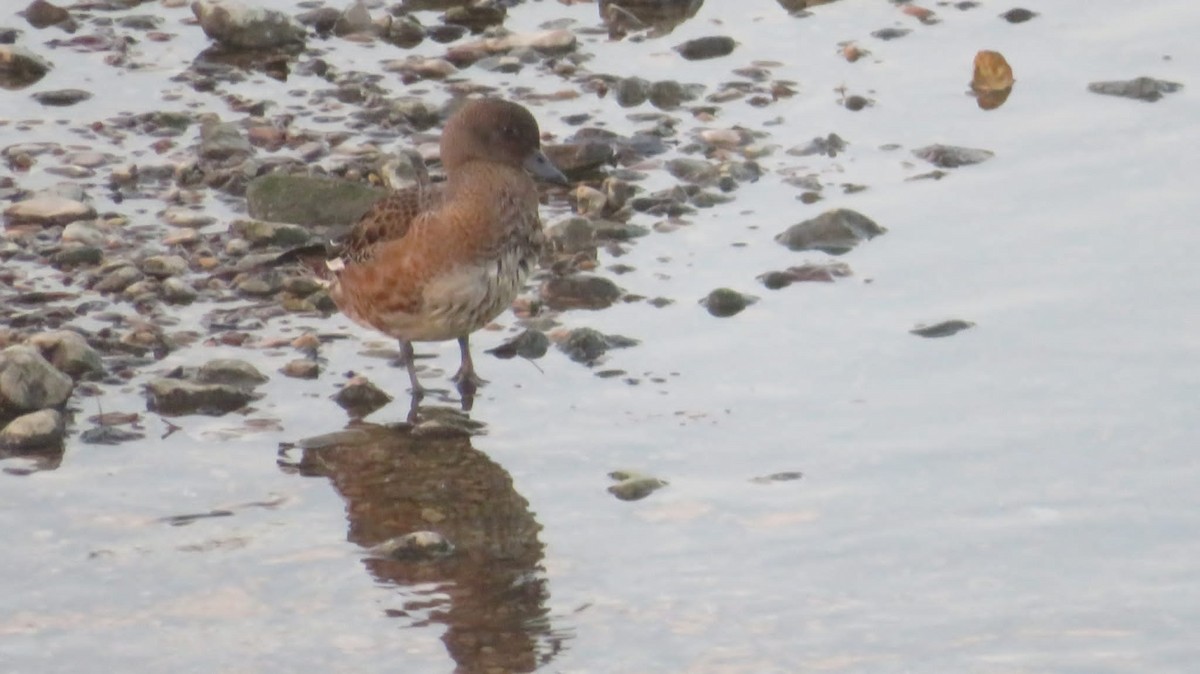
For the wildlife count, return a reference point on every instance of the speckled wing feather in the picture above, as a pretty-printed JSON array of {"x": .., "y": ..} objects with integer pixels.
[
  {"x": 490, "y": 218},
  {"x": 389, "y": 219}
]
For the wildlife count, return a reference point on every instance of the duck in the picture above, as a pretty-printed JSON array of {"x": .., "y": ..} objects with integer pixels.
[{"x": 436, "y": 262}]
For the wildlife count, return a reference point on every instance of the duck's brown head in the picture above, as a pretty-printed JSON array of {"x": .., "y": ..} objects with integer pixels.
[{"x": 492, "y": 130}]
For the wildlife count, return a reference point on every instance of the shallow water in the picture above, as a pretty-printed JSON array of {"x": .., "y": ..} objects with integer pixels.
[{"x": 1019, "y": 497}]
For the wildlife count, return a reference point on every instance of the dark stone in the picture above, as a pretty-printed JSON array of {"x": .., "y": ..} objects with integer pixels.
[
  {"x": 41, "y": 14},
  {"x": 530, "y": 344},
  {"x": 36, "y": 430},
  {"x": 360, "y": 397},
  {"x": 585, "y": 345},
  {"x": 950, "y": 156},
  {"x": 1142, "y": 88},
  {"x": 1018, "y": 15},
  {"x": 824, "y": 272},
  {"x": 890, "y": 33},
  {"x": 706, "y": 47},
  {"x": 835, "y": 232},
  {"x": 943, "y": 329},
  {"x": 61, "y": 97},
  {"x": 28, "y": 382},
  {"x": 577, "y": 160},
  {"x": 178, "y": 397},
  {"x": 725, "y": 302},
  {"x": 579, "y": 291}
]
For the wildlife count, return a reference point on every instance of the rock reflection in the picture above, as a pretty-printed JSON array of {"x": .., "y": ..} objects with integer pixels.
[
  {"x": 490, "y": 591},
  {"x": 27, "y": 462},
  {"x": 658, "y": 16}
]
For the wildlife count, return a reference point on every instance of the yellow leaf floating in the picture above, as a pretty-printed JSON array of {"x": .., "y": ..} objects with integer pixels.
[{"x": 993, "y": 79}]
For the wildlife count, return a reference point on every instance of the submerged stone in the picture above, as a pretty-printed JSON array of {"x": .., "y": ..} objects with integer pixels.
[
  {"x": 634, "y": 486},
  {"x": 586, "y": 345},
  {"x": 530, "y": 344},
  {"x": 20, "y": 67},
  {"x": 943, "y": 329},
  {"x": 230, "y": 371},
  {"x": 725, "y": 302},
  {"x": 1141, "y": 88},
  {"x": 48, "y": 209},
  {"x": 68, "y": 352},
  {"x": 360, "y": 397},
  {"x": 951, "y": 156},
  {"x": 28, "y": 382},
  {"x": 36, "y": 430},
  {"x": 62, "y": 97},
  {"x": 579, "y": 291},
  {"x": 706, "y": 47},
  {"x": 835, "y": 232},
  {"x": 235, "y": 24},
  {"x": 178, "y": 397}
]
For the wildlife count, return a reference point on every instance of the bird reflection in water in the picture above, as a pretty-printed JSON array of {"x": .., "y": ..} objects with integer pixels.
[{"x": 490, "y": 586}]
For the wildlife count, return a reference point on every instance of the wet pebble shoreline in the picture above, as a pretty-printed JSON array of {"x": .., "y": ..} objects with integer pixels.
[{"x": 124, "y": 237}]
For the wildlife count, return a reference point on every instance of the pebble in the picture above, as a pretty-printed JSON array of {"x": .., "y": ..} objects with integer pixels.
[
  {"x": 223, "y": 141},
  {"x": 694, "y": 171},
  {"x": 886, "y": 34},
  {"x": 262, "y": 233},
  {"x": 355, "y": 19},
  {"x": 230, "y": 371},
  {"x": 579, "y": 291},
  {"x": 36, "y": 430},
  {"x": 164, "y": 266},
  {"x": 359, "y": 397},
  {"x": 69, "y": 353},
  {"x": 950, "y": 156},
  {"x": 61, "y": 97},
  {"x": 1018, "y": 15},
  {"x": 82, "y": 232},
  {"x": 632, "y": 91},
  {"x": 240, "y": 26},
  {"x": 181, "y": 216},
  {"x": 178, "y": 397},
  {"x": 48, "y": 209},
  {"x": 549, "y": 42},
  {"x": 572, "y": 235},
  {"x": 825, "y": 272},
  {"x": 301, "y": 368},
  {"x": 578, "y": 159},
  {"x": 530, "y": 344},
  {"x": 706, "y": 47},
  {"x": 1141, "y": 88},
  {"x": 177, "y": 291},
  {"x": 120, "y": 276},
  {"x": 725, "y": 302},
  {"x": 586, "y": 345},
  {"x": 28, "y": 382},
  {"x": 942, "y": 329},
  {"x": 633, "y": 486},
  {"x": 835, "y": 232}
]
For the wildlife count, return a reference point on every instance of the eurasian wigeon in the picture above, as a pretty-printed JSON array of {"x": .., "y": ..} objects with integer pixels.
[{"x": 438, "y": 262}]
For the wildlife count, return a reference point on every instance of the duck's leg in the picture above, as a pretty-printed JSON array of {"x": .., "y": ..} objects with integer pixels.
[
  {"x": 466, "y": 379},
  {"x": 408, "y": 362}
]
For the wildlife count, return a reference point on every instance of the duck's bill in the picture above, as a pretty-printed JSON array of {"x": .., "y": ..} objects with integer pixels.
[{"x": 540, "y": 166}]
